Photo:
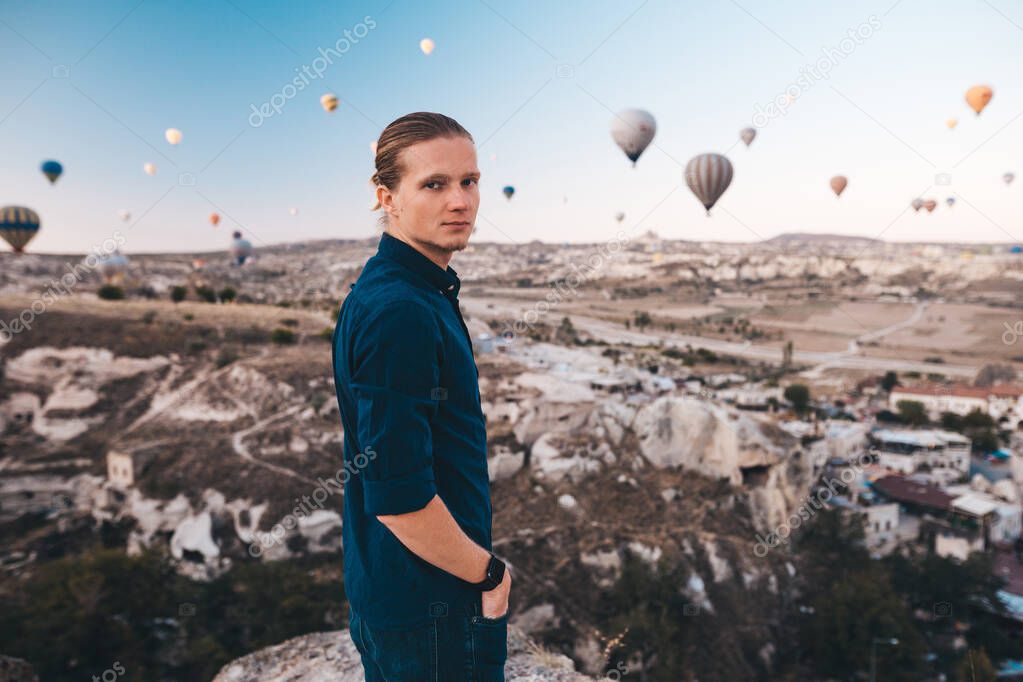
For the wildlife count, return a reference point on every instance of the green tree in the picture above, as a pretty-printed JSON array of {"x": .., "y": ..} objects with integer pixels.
[
  {"x": 912, "y": 412},
  {"x": 110, "y": 292},
  {"x": 798, "y": 396},
  {"x": 889, "y": 381},
  {"x": 178, "y": 293}
]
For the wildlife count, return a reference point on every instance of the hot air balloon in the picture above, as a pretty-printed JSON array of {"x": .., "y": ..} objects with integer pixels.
[
  {"x": 240, "y": 248},
  {"x": 950, "y": 201},
  {"x": 426, "y": 45},
  {"x": 293, "y": 211},
  {"x": 508, "y": 191},
  {"x": 52, "y": 170},
  {"x": 214, "y": 219},
  {"x": 124, "y": 214},
  {"x": 328, "y": 102},
  {"x": 838, "y": 184},
  {"x": 173, "y": 135},
  {"x": 952, "y": 123},
  {"x": 373, "y": 147},
  {"x": 619, "y": 216},
  {"x": 747, "y": 135},
  {"x": 930, "y": 205},
  {"x": 113, "y": 267},
  {"x": 917, "y": 204},
  {"x": 633, "y": 130},
  {"x": 198, "y": 264},
  {"x": 1016, "y": 249},
  {"x": 18, "y": 225},
  {"x": 978, "y": 97},
  {"x": 149, "y": 168},
  {"x": 708, "y": 176},
  {"x": 1008, "y": 178}
]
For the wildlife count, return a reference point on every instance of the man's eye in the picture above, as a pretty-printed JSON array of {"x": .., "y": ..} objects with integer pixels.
[
  {"x": 472, "y": 181},
  {"x": 432, "y": 185}
]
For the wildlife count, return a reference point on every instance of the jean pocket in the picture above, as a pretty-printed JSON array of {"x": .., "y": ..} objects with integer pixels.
[{"x": 490, "y": 646}]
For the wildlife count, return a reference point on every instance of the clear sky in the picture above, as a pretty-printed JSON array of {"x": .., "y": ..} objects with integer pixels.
[{"x": 94, "y": 85}]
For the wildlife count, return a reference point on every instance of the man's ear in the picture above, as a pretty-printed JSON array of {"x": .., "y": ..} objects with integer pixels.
[{"x": 386, "y": 200}]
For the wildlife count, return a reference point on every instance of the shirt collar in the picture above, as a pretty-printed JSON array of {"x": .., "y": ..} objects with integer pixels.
[{"x": 395, "y": 249}]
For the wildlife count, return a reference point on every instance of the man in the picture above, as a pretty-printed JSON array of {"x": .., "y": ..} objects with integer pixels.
[{"x": 427, "y": 598}]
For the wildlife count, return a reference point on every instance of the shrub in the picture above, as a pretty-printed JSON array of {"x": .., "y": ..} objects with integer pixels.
[
  {"x": 110, "y": 292},
  {"x": 178, "y": 293},
  {"x": 282, "y": 336},
  {"x": 227, "y": 294},
  {"x": 206, "y": 294}
]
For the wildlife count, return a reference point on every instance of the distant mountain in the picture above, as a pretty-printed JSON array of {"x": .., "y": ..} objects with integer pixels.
[{"x": 809, "y": 237}]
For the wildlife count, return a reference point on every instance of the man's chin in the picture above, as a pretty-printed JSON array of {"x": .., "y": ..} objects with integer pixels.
[{"x": 452, "y": 244}]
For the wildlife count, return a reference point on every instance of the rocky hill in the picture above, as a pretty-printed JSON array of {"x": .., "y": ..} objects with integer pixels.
[{"x": 332, "y": 657}]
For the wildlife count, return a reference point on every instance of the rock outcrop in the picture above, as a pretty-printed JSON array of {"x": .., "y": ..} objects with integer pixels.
[{"x": 332, "y": 657}]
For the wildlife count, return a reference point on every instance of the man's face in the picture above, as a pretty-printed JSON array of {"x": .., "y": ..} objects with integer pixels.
[{"x": 434, "y": 206}]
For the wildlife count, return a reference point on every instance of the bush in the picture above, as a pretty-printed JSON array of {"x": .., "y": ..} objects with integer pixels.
[
  {"x": 206, "y": 294},
  {"x": 227, "y": 294},
  {"x": 225, "y": 357},
  {"x": 178, "y": 293},
  {"x": 193, "y": 347},
  {"x": 110, "y": 292},
  {"x": 149, "y": 316},
  {"x": 327, "y": 334},
  {"x": 282, "y": 336},
  {"x": 912, "y": 412},
  {"x": 289, "y": 322},
  {"x": 188, "y": 316},
  {"x": 798, "y": 395}
]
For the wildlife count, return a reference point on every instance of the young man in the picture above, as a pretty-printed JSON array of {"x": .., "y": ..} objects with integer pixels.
[{"x": 427, "y": 598}]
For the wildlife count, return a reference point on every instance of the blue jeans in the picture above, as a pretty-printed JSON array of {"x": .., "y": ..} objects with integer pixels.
[{"x": 456, "y": 645}]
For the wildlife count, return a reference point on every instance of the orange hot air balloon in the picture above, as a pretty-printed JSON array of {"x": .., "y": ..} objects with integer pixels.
[
  {"x": 978, "y": 97},
  {"x": 214, "y": 219},
  {"x": 930, "y": 205},
  {"x": 952, "y": 123},
  {"x": 838, "y": 184}
]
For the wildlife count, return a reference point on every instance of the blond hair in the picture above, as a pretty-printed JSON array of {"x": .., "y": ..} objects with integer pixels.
[{"x": 421, "y": 126}]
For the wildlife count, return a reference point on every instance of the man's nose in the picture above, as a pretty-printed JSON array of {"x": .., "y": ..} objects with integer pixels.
[{"x": 459, "y": 200}]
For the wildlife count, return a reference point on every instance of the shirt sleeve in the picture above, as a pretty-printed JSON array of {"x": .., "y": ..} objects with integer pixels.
[{"x": 395, "y": 382}]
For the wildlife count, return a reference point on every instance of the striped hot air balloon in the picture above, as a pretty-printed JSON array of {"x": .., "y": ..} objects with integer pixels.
[
  {"x": 708, "y": 176},
  {"x": 18, "y": 225}
]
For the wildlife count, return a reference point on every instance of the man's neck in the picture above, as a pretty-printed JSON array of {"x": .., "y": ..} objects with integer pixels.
[{"x": 438, "y": 257}]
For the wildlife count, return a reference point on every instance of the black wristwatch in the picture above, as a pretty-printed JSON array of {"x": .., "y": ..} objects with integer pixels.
[{"x": 495, "y": 574}]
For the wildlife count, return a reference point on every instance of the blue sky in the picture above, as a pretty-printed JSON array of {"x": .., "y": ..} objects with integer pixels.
[{"x": 95, "y": 85}]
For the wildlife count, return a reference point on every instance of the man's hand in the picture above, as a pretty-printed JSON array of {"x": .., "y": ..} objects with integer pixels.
[{"x": 495, "y": 601}]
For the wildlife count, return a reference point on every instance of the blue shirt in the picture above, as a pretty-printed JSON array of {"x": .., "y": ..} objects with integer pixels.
[{"x": 408, "y": 388}]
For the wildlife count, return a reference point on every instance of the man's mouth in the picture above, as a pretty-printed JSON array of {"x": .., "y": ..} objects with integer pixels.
[{"x": 457, "y": 223}]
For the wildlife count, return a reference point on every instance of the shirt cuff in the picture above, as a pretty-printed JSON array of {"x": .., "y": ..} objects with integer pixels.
[{"x": 399, "y": 495}]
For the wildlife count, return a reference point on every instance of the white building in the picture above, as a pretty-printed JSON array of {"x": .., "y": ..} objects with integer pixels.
[
  {"x": 906, "y": 451},
  {"x": 124, "y": 468},
  {"x": 997, "y": 401}
]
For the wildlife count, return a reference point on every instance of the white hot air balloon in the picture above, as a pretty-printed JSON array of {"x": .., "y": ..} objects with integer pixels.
[
  {"x": 1008, "y": 178},
  {"x": 173, "y": 135},
  {"x": 426, "y": 45},
  {"x": 708, "y": 176},
  {"x": 633, "y": 130},
  {"x": 619, "y": 217},
  {"x": 747, "y": 135},
  {"x": 373, "y": 147},
  {"x": 113, "y": 267},
  {"x": 149, "y": 168},
  {"x": 124, "y": 214},
  {"x": 293, "y": 211},
  {"x": 240, "y": 249},
  {"x": 917, "y": 204}
]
